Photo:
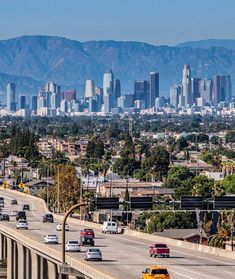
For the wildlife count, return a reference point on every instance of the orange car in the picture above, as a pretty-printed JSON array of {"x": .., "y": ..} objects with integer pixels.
[{"x": 155, "y": 272}]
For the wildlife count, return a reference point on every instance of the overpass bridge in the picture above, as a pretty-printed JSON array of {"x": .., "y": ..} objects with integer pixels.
[{"x": 124, "y": 256}]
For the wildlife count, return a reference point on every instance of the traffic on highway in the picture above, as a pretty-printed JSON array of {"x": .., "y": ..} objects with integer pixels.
[{"x": 114, "y": 254}]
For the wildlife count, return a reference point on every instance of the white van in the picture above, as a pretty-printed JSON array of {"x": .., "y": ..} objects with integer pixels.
[{"x": 109, "y": 227}]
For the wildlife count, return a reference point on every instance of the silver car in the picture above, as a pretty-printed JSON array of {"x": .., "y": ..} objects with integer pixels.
[
  {"x": 51, "y": 239},
  {"x": 72, "y": 246},
  {"x": 93, "y": 254}
]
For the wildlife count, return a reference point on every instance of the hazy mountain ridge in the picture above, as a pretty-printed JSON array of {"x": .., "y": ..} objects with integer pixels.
[{"x": 70, "y": 63}]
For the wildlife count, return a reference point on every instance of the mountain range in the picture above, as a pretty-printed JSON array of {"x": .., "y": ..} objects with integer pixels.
[{"x": 31, "y": 61}]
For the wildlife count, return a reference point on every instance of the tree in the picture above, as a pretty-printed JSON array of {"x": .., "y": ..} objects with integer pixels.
[
  {"x": 159, "y": 222},
  {"x": 229, "y": 184},
  {"x": 181, "y": 144},
  {"x": 224, "y": 233},
  {"x": 95, "y": 148},
  {"x": 176, "y": 175},
  {"x": 68, "y": 185}
]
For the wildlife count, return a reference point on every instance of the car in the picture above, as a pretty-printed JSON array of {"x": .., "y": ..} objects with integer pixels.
[
  {"x": 2, "y": 203},
  {"x": 159, "y": 250},
  {"x": 21, "y": 215},
  {"x": 51, "y": 239},
  {"x": 22, "y": 224},
  {"x": 109, "y": 227},
  {"x": 72, "y": 246},
  {"x": 48, "y": 218},
  {"x": 155, "y": 272},
  {"x": 25, "y": 207},
  {"x": 87, "y": 240},
  {"x": 13, "y": 212},
  {"x": 59, "y": 227},
  {"x": 87, "y": 232},
  {"x": 93, "y": 254},
  {"x": 14, "y": 202},
  {"x": 4, "y": 217}
]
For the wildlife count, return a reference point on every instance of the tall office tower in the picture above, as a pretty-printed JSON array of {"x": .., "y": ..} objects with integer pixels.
[
  {"x": 100, "y": 96},
  {"x": 117, "y": 89},
  {"x": 186, "y": 82},
  {"x": 52, "y": 87},
  {"x": 90, "y": 88},
  {"x": 222, "y": 89},
  {"x": 22, "y": 102},
  {"x": 11, "y": 97},
  {"x": 160, "y": 102},
  {"x": 141, "y": 90},
  {"x": 194, "y": 89},
  {"x": 205, "y": 90},
  {"x": 34, "y": 103},
  {"x": 108, "y": 91},
  {"x": 175, "y": 93},
  {"x": 153, "y": 90},
  {"x": 68, "y": 95}
]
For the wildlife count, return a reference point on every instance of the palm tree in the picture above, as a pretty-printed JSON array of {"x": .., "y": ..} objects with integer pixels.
[{"x": 218, "y": 240}]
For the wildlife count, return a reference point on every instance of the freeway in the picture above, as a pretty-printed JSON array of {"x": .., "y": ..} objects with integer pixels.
[{"x": 123, "y": 256}]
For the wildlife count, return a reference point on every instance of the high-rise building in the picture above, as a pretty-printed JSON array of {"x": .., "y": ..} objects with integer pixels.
[
  {"x": 205, "y": 90},
  {"x": 11, "y": 97},
  {"x": 22, "y": 102},
  {"x": 117, "y": 89},
  {"x": 68, "y": 95},
  {"x": 34, "y": 103},
  {"x": 141, "y": 90},
  {"x": 100, "y": 97},
  {"x": 108, "y": 89},
  {"x": 195, "y": 89},
  {"x": 52, "y": 87},
  {"x": 153, "y": 90},
  {"x": 90, "y": 88},
  {"x": 222, "y": 89},
  {"x": 186, "y": 83},
  {"x": 175, "y": 93}
]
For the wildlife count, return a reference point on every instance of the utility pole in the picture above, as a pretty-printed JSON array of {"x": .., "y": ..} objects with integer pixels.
[{"x": 58, "y": 191}]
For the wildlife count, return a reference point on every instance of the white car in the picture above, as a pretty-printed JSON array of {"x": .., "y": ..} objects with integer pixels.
[
  {"x": 13, "y": 212},
  {"x": 72, "y": 246},
  {"x": 59, "y": 227},
  {"x": 109, "y": 227},
  {"x": 51, "y": 239},
  {"x": 22, "y": 224}
]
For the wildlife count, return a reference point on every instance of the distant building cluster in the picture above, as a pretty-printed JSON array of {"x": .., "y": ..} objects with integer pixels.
[
  {"x": 192, "y": 93},
  {"x": 201, "y": 92}
]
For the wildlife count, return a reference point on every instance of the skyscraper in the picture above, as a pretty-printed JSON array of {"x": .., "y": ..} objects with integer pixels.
[
  {"x": 11, "y": 97},
  {"x": 222, "y": 89},
  {"x": 186, "y": 82},
  {"x": 34, "y": 103},
  {"x": 22, "y": 102},
  {"x": 141, "y": 91},
  {"x": 154, "y": 89},
  {"x": 205, "y": 90},
  {"x": 175, "y": 92},
  {"x": 195, "y": 89},
  {"x": 90, "y": 88},
  {"x": 108, "y": 91},
  {"x": 117, "y": 89}
]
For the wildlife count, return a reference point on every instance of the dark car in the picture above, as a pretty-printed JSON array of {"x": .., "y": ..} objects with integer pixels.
[
  {"x": 26, "y": 207},
  {"x": 4, "y": 217},
  {"x": 21, "y": 215},
  {"x": 87, "y": 240},
  {"x": 13, "y": 202},
  {"x": 48, "y": 218}
]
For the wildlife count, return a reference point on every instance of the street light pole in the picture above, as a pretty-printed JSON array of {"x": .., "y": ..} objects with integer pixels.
[
  {"x": 63, "y": 226},
  {"x": 58, "y": 191}
]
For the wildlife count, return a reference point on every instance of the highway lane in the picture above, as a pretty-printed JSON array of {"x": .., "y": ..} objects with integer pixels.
[{"x": 126, "y": 257}]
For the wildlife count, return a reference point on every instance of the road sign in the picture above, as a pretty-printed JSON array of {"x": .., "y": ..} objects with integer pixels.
[
  {"x": 224, "y": 202},
  {"x": 21, "y": 185},
  {"x": 141, "y": 202},
  {"x": 107, "y": 203},
  {"x": 192, "y": 203},
  {"x": 5, "y": 185}
]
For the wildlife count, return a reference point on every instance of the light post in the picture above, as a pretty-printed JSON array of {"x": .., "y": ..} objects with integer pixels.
[{"x": 63, "y": 226}]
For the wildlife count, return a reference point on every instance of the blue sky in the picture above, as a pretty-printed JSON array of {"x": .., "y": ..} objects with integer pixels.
[{"x": 152, "y": 21}]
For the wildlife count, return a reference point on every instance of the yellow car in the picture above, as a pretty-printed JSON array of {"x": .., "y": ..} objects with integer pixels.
[{"x": 155, "y": 272}]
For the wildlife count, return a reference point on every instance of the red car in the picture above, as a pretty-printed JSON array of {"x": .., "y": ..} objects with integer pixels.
[
  {"x": 87, "y": 232},
  {"x": 159, "y": 250}
]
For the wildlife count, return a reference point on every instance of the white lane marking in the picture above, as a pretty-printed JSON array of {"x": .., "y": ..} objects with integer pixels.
[{"x": 181, "y": 274}]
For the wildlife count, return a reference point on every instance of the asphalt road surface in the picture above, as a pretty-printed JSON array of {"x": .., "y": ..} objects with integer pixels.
[{"x": 123, "y": 256}]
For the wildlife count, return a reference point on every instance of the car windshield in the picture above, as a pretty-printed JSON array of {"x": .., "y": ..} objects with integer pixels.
[
  {"x": 159, "y": 271},
  {"x": 161, "y": 246},
  {"x": 23, "y": 222},
  {"x": 48, "y": 215},
  {"x": 93, "y": 251},
  {"x": 88, "y": 237},
  {"x": 73, "y": 242},
  {"x": 51, "y": 235}
]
